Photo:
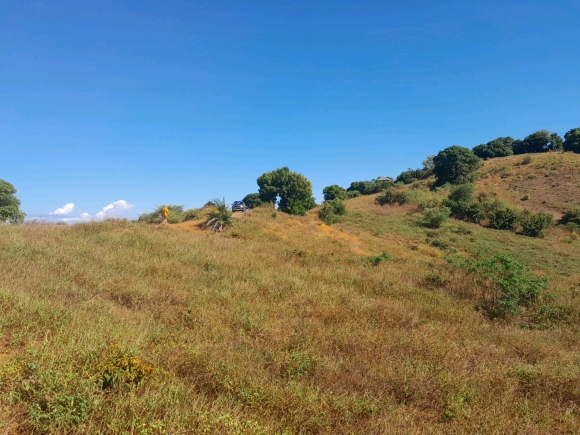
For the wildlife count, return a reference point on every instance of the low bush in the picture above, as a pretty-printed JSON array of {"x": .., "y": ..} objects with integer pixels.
[
  {"x": 503, "y": 219},
  {"x": 375, "y": 260},
  {"x": 571, "y": 216},
  {"x": 331, "y": 211},
  {"x": 435, "y": 217},
  {"x": 534, "y": 224},
  {"x": 390, "y": 196},
  {"x": 192, "y": 214},
  {"x": 510, "y": 286},
  {"x": 466, "y": 211},
  {"x": 176, "y": 215}
]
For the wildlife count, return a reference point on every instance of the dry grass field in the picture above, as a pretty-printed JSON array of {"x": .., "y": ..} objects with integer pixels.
[{"x": 284, "y": 325}]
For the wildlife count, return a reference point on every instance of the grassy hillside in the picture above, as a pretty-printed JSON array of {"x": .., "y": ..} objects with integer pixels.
[{"x": 284, "y": 325}]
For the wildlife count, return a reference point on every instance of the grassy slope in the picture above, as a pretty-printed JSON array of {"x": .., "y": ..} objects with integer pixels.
[{"x": 280, "y": 327}]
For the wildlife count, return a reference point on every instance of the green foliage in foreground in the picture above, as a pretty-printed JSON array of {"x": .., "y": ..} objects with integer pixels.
[
  {"x": 512, "y": 287},
  {"x": 331, "y": 211},
  {"x": 9, "y": 204}
]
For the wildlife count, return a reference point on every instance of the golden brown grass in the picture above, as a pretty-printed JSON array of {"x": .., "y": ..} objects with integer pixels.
[{"x": 277, "y": 326}]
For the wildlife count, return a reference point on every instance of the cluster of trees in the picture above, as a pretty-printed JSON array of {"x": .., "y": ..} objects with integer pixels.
[{"x": 537, "y": 142}]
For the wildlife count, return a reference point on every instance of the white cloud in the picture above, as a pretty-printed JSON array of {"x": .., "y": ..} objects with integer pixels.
[
  {"x": 85, "y": 216},
  {"x": 113, "y": 209},
  {"x": 63, "y": 211}
]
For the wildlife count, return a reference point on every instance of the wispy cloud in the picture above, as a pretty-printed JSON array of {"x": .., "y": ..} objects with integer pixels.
[{"x": 63, "y": 211}]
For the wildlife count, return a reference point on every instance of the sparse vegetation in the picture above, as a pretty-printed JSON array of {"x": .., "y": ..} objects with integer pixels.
[{"x": 284, "y": 325}]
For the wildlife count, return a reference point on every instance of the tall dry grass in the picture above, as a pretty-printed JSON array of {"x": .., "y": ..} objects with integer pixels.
[{"x": 277, "y": 326}]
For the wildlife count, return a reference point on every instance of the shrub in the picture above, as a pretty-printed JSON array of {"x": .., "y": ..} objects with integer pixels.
[
  {"x": 391, "y": 196},
  {"x": 462, "y": 192},
  {"x": 533, "y": 225},
  {"x": 192, "y": 214},
  {"x": 527, "y": 160},
  {"x": 352, "y": 194},
  {"x": 466, "y": 211},
  {"x": 252, "y": 200},
  {"x": 435, "y": 217},
  {"x": 176, "y": 215},
  {"x": 503, "y": 219},
  {"x": 123, "y": 369},
  {"x": 511, "y": 286},
  {"x": 375, "y": 260},
  {"x": 331, "y": 211},
  {"x": 571, "y": 216}
]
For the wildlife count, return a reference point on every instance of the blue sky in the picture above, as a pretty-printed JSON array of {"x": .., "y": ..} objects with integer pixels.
[{"x": 178, "y": 102}]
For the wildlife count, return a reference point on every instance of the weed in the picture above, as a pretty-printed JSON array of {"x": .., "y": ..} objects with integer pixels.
[
  {"x": 375, "y": 260},
  {"x": 512, "y": 287},
  {"x": 122, "y": 369}
]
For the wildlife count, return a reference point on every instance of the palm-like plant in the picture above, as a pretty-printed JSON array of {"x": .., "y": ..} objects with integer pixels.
[{"x": 220, "y": 217}]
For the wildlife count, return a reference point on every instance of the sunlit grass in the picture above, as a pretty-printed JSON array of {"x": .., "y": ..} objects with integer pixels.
[{"x": 281, "y": 325}]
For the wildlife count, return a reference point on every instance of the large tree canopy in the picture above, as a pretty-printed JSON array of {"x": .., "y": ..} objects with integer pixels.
[
  {"x": 500, "y": 147},
  {"x": 537, "y": 141},
  {"x": 334, "y": 192},
  {"x": 572, "y": 140},
  {"x": 9, "y": 204},
  {"x": 453, "y": 164},
  {"x": 292, "y": 190}
]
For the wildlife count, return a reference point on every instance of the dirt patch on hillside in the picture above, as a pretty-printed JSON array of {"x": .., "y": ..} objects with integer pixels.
[
  {"x": 354, "y": 242},
  {"x": 550, "y": 183}
]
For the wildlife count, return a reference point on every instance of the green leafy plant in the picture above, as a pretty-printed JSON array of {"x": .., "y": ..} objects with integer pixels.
[
  {"x": 124, "y": 368},
  {"x": 504, "y": 218},
  {"x": 391, "y": 196},
  {"x": 435, "y": 217},
  {"x": 375, "y": 260},
  {"x": 510, "y": 285},
  {"x": 331, "y": 211},
  {"x": 334, "y": 192},
  {"x": 534, "y": 224},
  {"x": 220, "y": 217}
]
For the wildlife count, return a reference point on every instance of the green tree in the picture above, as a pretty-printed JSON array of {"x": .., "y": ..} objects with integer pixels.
[
  {"x": 252, "y": 200},
  {"x": 292, "y": 190},
  {"x": 500, "y": 147},
  {"x": 9, "y": 204},
  {"x": 454, "y": 164},
  {"x": 334, "y": 192},
  {"x": 572, "y": 140},
  {"x": 537, "y": 141}
]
